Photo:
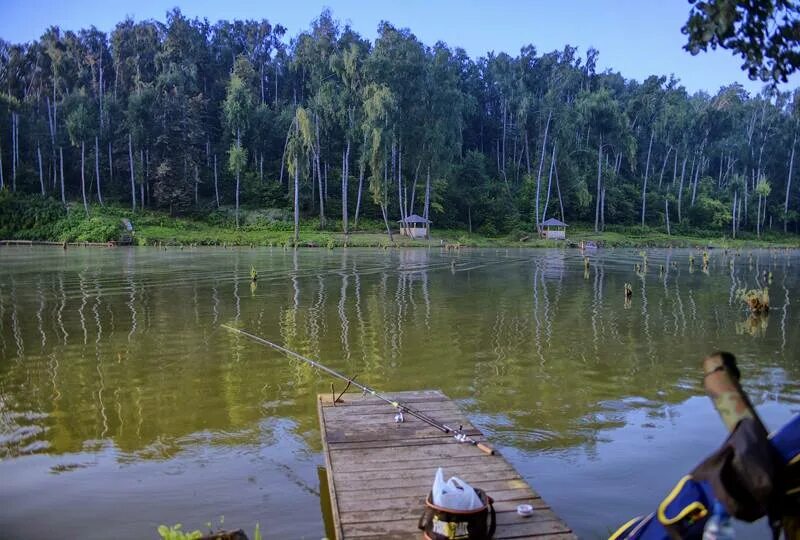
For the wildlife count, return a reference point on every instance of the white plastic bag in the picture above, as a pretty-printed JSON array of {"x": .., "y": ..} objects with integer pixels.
[{"x": 455, "y": 494}]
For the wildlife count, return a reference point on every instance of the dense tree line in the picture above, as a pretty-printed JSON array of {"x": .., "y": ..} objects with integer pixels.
[{"x": 194, "y": 117}]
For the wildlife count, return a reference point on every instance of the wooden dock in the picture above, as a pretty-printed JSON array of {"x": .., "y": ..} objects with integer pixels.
[{"x": 379, "y": 471}]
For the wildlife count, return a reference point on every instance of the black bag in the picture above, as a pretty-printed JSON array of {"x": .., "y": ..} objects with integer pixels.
[
  {"x": 744, "y": 472},
  {"x": 439, "y": 523}
]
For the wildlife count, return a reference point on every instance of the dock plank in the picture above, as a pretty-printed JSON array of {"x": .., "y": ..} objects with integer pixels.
[{"x": 379, "y": 471}]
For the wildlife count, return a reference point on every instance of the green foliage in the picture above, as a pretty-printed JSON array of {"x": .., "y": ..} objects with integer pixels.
[
  {"x": 28, "y": 217},
  {"x": 762, "y": 32},
  {"x": 237, "y": 158},
  {"x": 93, "y": 229},
  {"x": 80, "y": 121},
  {"x": 300, "y": 141},
  {"x": 238, "y": 103},
  {"x": 763, "y": 187},
  {"x": 175, "y": 533},
  {"x": 710, "y": 212},
  {"x": 230, "y": 101}
]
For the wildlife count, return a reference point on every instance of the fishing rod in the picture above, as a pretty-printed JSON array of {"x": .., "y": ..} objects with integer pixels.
[{"x": 458, "y": 434}]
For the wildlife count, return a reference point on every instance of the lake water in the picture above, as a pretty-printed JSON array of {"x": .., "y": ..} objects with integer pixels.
[{"x": 123, "y": 405}]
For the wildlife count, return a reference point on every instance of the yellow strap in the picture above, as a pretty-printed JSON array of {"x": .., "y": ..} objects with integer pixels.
[
  {"x": 687, "y": 510},
  {"x": 624, "y": 528}
]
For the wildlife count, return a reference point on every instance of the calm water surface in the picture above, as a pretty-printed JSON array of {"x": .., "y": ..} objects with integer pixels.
[{"x": 124, "y": 406}]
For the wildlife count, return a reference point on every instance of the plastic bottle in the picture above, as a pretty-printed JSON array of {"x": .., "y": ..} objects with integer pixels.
[{"x": 720, "y": 525}]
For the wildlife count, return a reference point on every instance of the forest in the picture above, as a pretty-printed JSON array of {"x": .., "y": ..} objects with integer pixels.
[{"x": 235, "y": 121}]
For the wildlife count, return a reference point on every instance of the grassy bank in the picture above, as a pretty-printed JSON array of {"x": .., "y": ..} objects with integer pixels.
[
  {"x": 187, "y": 232},
  {"x": 46, "y": 220}
]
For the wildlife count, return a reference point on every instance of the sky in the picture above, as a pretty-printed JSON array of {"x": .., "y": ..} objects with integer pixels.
[{"x": 638, "y": 38}]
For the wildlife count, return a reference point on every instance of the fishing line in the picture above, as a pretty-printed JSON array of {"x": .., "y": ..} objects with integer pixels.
[{"x": 458, "y": 434}]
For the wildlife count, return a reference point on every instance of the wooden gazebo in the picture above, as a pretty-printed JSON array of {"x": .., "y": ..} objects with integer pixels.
[
  {"x": 553, "y": 229},
  {"x": 414, "y": 226}
]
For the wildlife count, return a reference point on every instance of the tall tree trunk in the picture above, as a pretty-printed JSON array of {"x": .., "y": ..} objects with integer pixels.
[
  {"x": 426, "y": 210},
  {"x": 55, "y": 107},
  {"x": 664, "y": 167},
  {"x": 16, "y": 115},
  {"x": 345, "y": 174},
  {"x": 384, "y": 203},
  {"x": 733, "y": 214},
  {"x": 680, "y": 188},
  {"x": 50, "y": 122},
  {"x": 261, "y": 77},
  {"x": 746, "y": 196},
  {"x": 261, "y": 168},
  {"x": 504, "y": 106},
  {"x": 414, "y": 186},
  {"x": 14, "y": 151},
  {"x": 216, "y": 185},
  {"x": 285, "y": 146},
  {"x": 539, "y": 175},
  {"x": 549, "y": 183},
  {"x": 691, "y": 169},
  {"x": 666, "y": 214},
  {"x": 50, "y": 129},
  {"x": 739, "y": 215},
  {"x": 599, "y": 174},
  {"x": 325, "y": 175},
  {"x": 603, "y": 209},
  {"x": 696, "y": 178},
  {"x": 527, "y": 153},
  {"x": 196, "y": 186},
  {"x": 100, "y": 93},
  {"x": 239, "y": 146},
  {"x": 97, "y": 169},
  {"x": 83, "y": 177},
  {"x": 41, "y": 173},
  {"x": 110, "y": 165},
  {"x": 675, "y": 168},
  {"x": 133, "y": 177},
  {"x": 319, "y": 176},
  {"x": 358, "y": 195},
  {"x": 646, "y": 173},
  {"x": 143, "y": 183},
  {"x": 758, "y": 217},
  {"x": 558, "y": 190},
  {"x": 61, "y": 163},
  {"x": 400, "y": 190},
  {"x": 147, "y": 174},
  {"x": 296, "y": 201},
  {"x": 788, "y": 185},
  {"x": 386, "y": 221}
]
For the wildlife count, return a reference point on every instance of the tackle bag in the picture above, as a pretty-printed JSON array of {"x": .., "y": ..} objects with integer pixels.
[
  {"x": 438, "y": 523},
  {"x": 750, "y": 475}
]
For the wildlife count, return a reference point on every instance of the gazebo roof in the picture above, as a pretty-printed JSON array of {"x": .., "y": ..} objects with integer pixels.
[
  {"x": 414, "y": 218},
  {"x": 553, "y": 222}
]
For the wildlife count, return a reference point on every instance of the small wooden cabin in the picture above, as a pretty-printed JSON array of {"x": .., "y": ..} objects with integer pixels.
[
  {"x": 553, "y": 229},
  {"x": 415, "y": 226}
]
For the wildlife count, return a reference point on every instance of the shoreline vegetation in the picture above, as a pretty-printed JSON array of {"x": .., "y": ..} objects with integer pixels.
[
  {"x": 247, "y": 131},
  {"x": 273, "y": 228}
]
